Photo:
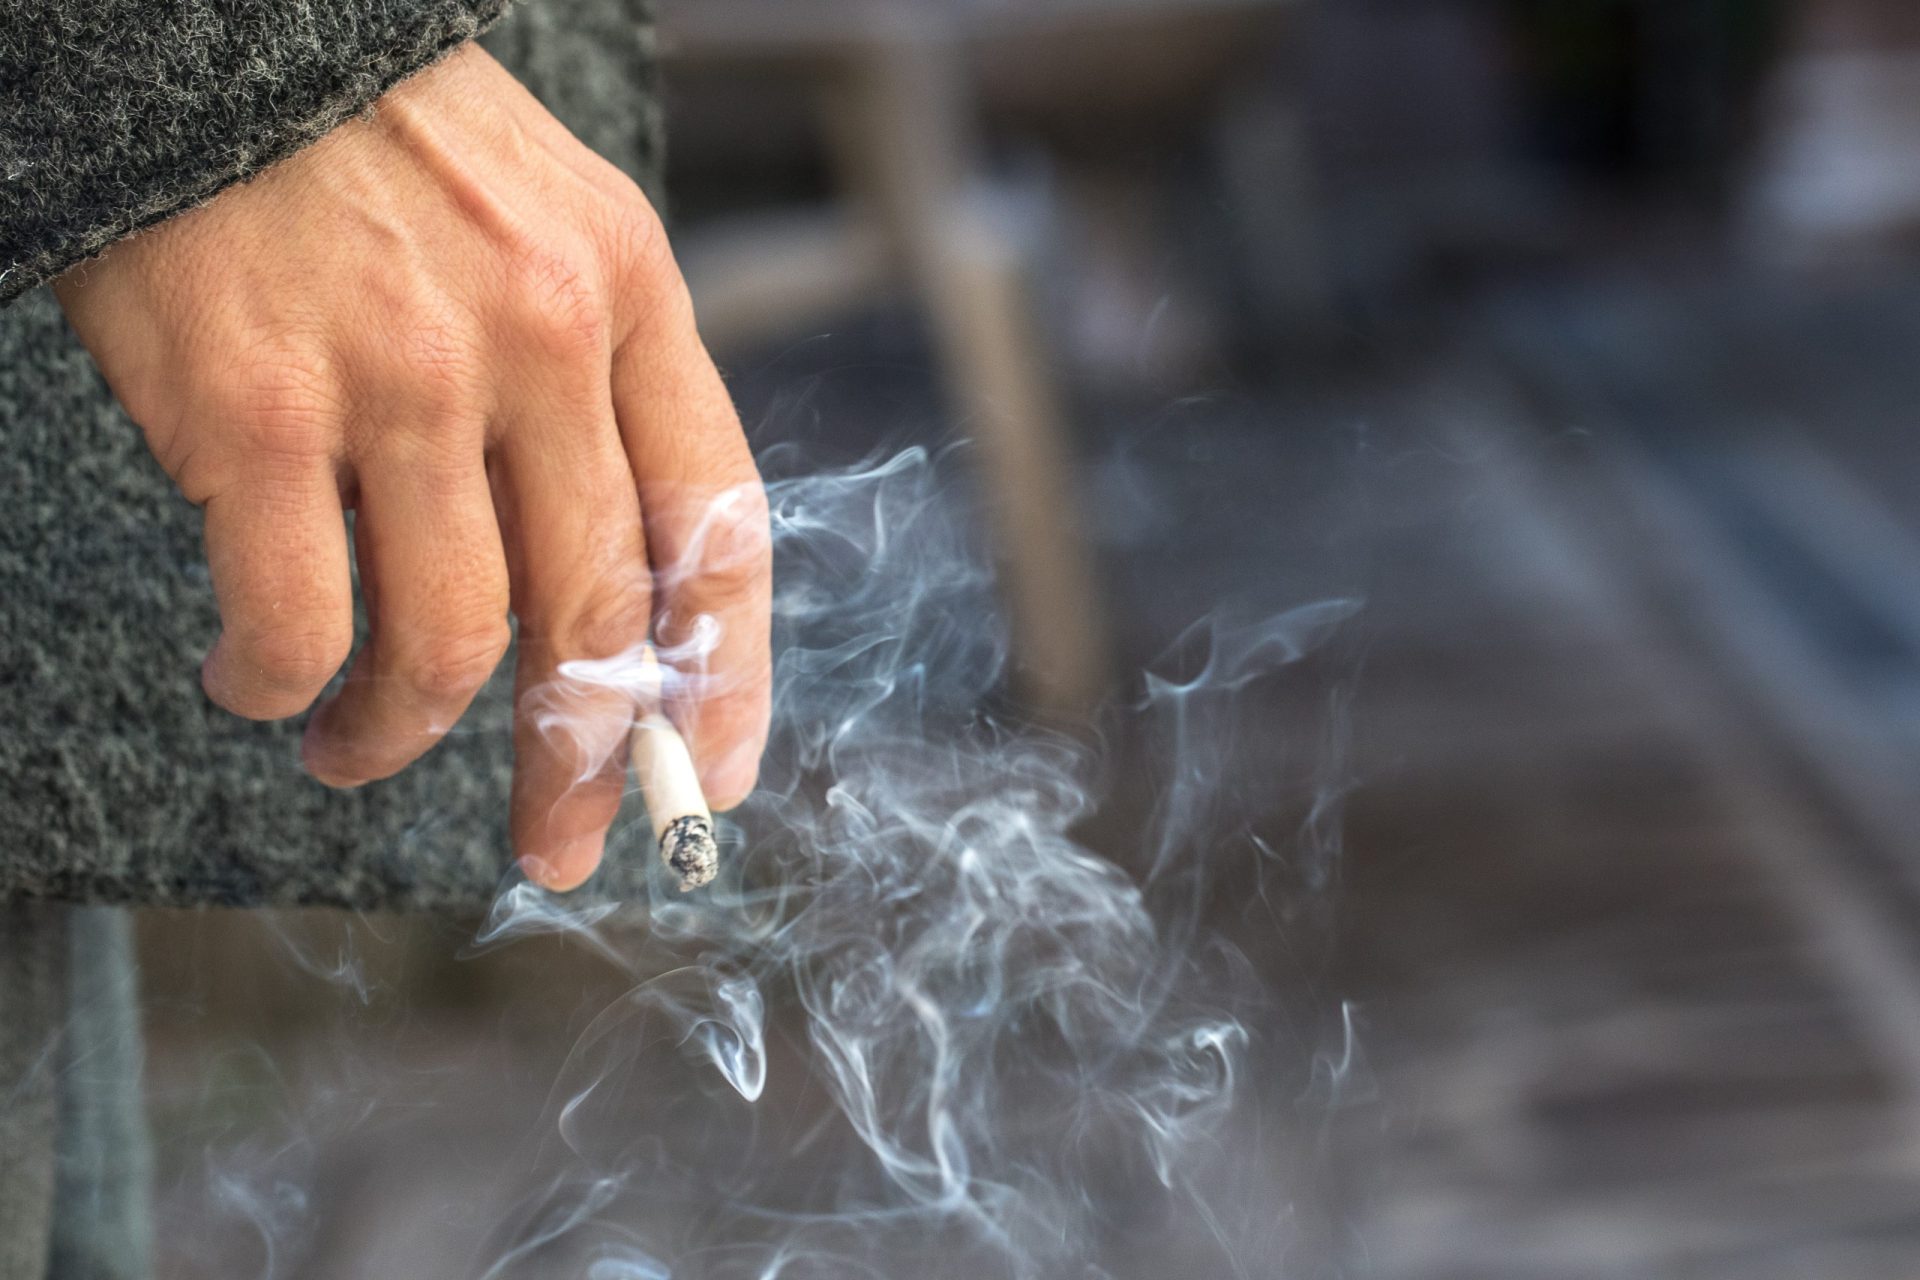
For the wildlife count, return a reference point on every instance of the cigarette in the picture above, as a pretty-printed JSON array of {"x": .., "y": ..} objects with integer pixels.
[{"x": 682, "y": 823}]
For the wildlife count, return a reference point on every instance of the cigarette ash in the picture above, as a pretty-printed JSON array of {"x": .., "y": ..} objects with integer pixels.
[{"x": 688, "y": 848}]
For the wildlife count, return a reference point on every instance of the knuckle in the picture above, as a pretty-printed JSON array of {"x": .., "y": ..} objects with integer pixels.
[
  {"x": 641, "y": 240},
  {"x": 440, "y": 358},
  {"x": 652, "y": 288},
  {"x": 729, "y": 580},
  {"x": 454, "y": 666},
  {"x": 610, "y": 625},
  {"x": 282, "y": 400},
  {"x": 734, "y": 553},
  {"x": 559, "y": 306}
]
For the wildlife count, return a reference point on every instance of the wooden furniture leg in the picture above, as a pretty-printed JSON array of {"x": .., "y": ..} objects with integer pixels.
[{"x": 900, "y": 127}]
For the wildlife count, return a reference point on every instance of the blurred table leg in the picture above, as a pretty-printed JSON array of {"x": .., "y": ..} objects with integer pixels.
[{"x": 901, "y": 132}]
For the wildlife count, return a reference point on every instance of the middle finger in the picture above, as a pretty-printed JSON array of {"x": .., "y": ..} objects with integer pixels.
[{"x": 434, "y": 578}]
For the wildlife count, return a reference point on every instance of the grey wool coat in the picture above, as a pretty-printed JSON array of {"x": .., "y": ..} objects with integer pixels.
[{"x": 120, "y": 785}]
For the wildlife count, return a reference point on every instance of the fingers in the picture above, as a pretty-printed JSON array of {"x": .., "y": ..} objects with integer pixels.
[
  {"x": 277, "y": 549},
  {"x": 435, "y": 582},
  {"x": 707, "y": 535},
  {"x": 581, "y": 591}
]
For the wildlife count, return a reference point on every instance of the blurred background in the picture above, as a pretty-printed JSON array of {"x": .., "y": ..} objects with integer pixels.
[{"x": 1580, "y": 339}]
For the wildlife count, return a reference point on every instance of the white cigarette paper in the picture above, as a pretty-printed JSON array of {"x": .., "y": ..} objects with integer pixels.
[{"x": 682, "y": 823}]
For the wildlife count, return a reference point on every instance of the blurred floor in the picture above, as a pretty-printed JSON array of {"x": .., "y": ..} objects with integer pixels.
[
  {"x": 1634, "y": 945},
  {"x": 1626, "y": 913},
  {"x": 1624, "y": 919}
]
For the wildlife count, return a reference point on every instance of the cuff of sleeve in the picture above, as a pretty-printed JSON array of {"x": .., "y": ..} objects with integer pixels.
[{"x": 112, "y": 120}]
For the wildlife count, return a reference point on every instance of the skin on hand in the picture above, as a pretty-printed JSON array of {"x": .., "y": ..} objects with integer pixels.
[{"x": 455, "y": 320}]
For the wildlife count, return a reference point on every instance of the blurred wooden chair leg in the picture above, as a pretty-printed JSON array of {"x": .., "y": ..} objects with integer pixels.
[{"x": 899, "y": 123}]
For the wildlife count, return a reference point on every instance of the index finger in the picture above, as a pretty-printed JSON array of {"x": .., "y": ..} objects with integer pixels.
[
  {"x": 277, "y": 549},
  {"x": 707, "y": 539}
]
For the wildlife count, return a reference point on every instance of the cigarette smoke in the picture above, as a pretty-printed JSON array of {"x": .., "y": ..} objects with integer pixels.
[{"x": 918, "y": 1027}]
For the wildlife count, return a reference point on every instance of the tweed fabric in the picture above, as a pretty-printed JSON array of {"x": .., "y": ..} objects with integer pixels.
[
  {"x": 115, "y": 114},
  {"x": 119, "y": 782}
]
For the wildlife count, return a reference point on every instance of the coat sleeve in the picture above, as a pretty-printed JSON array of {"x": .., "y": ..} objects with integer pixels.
[{"x": 115, "y": 114}]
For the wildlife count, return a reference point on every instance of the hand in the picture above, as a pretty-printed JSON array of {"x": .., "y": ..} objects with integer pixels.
[{"x": 455, "y": 320}]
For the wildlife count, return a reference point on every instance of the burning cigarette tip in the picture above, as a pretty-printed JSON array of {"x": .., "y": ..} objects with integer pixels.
[{"x": 688, "y": 847}]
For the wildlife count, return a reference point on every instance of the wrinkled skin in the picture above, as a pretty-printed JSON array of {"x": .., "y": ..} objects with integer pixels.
[{"x": 455, "y": 320}]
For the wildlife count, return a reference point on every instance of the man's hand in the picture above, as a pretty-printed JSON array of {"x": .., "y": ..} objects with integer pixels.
[{"x": 457, "y": 321}]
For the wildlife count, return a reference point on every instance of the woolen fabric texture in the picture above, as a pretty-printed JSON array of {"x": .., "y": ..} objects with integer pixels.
[
  {"x": 119, "y": 782},
  {"x": 119, "y": 113}
]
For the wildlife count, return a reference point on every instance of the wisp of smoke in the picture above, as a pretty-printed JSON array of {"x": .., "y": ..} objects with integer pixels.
[
  {"x": 1003, "y": 1026},
  {"x": 917, "y": 1028}
]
